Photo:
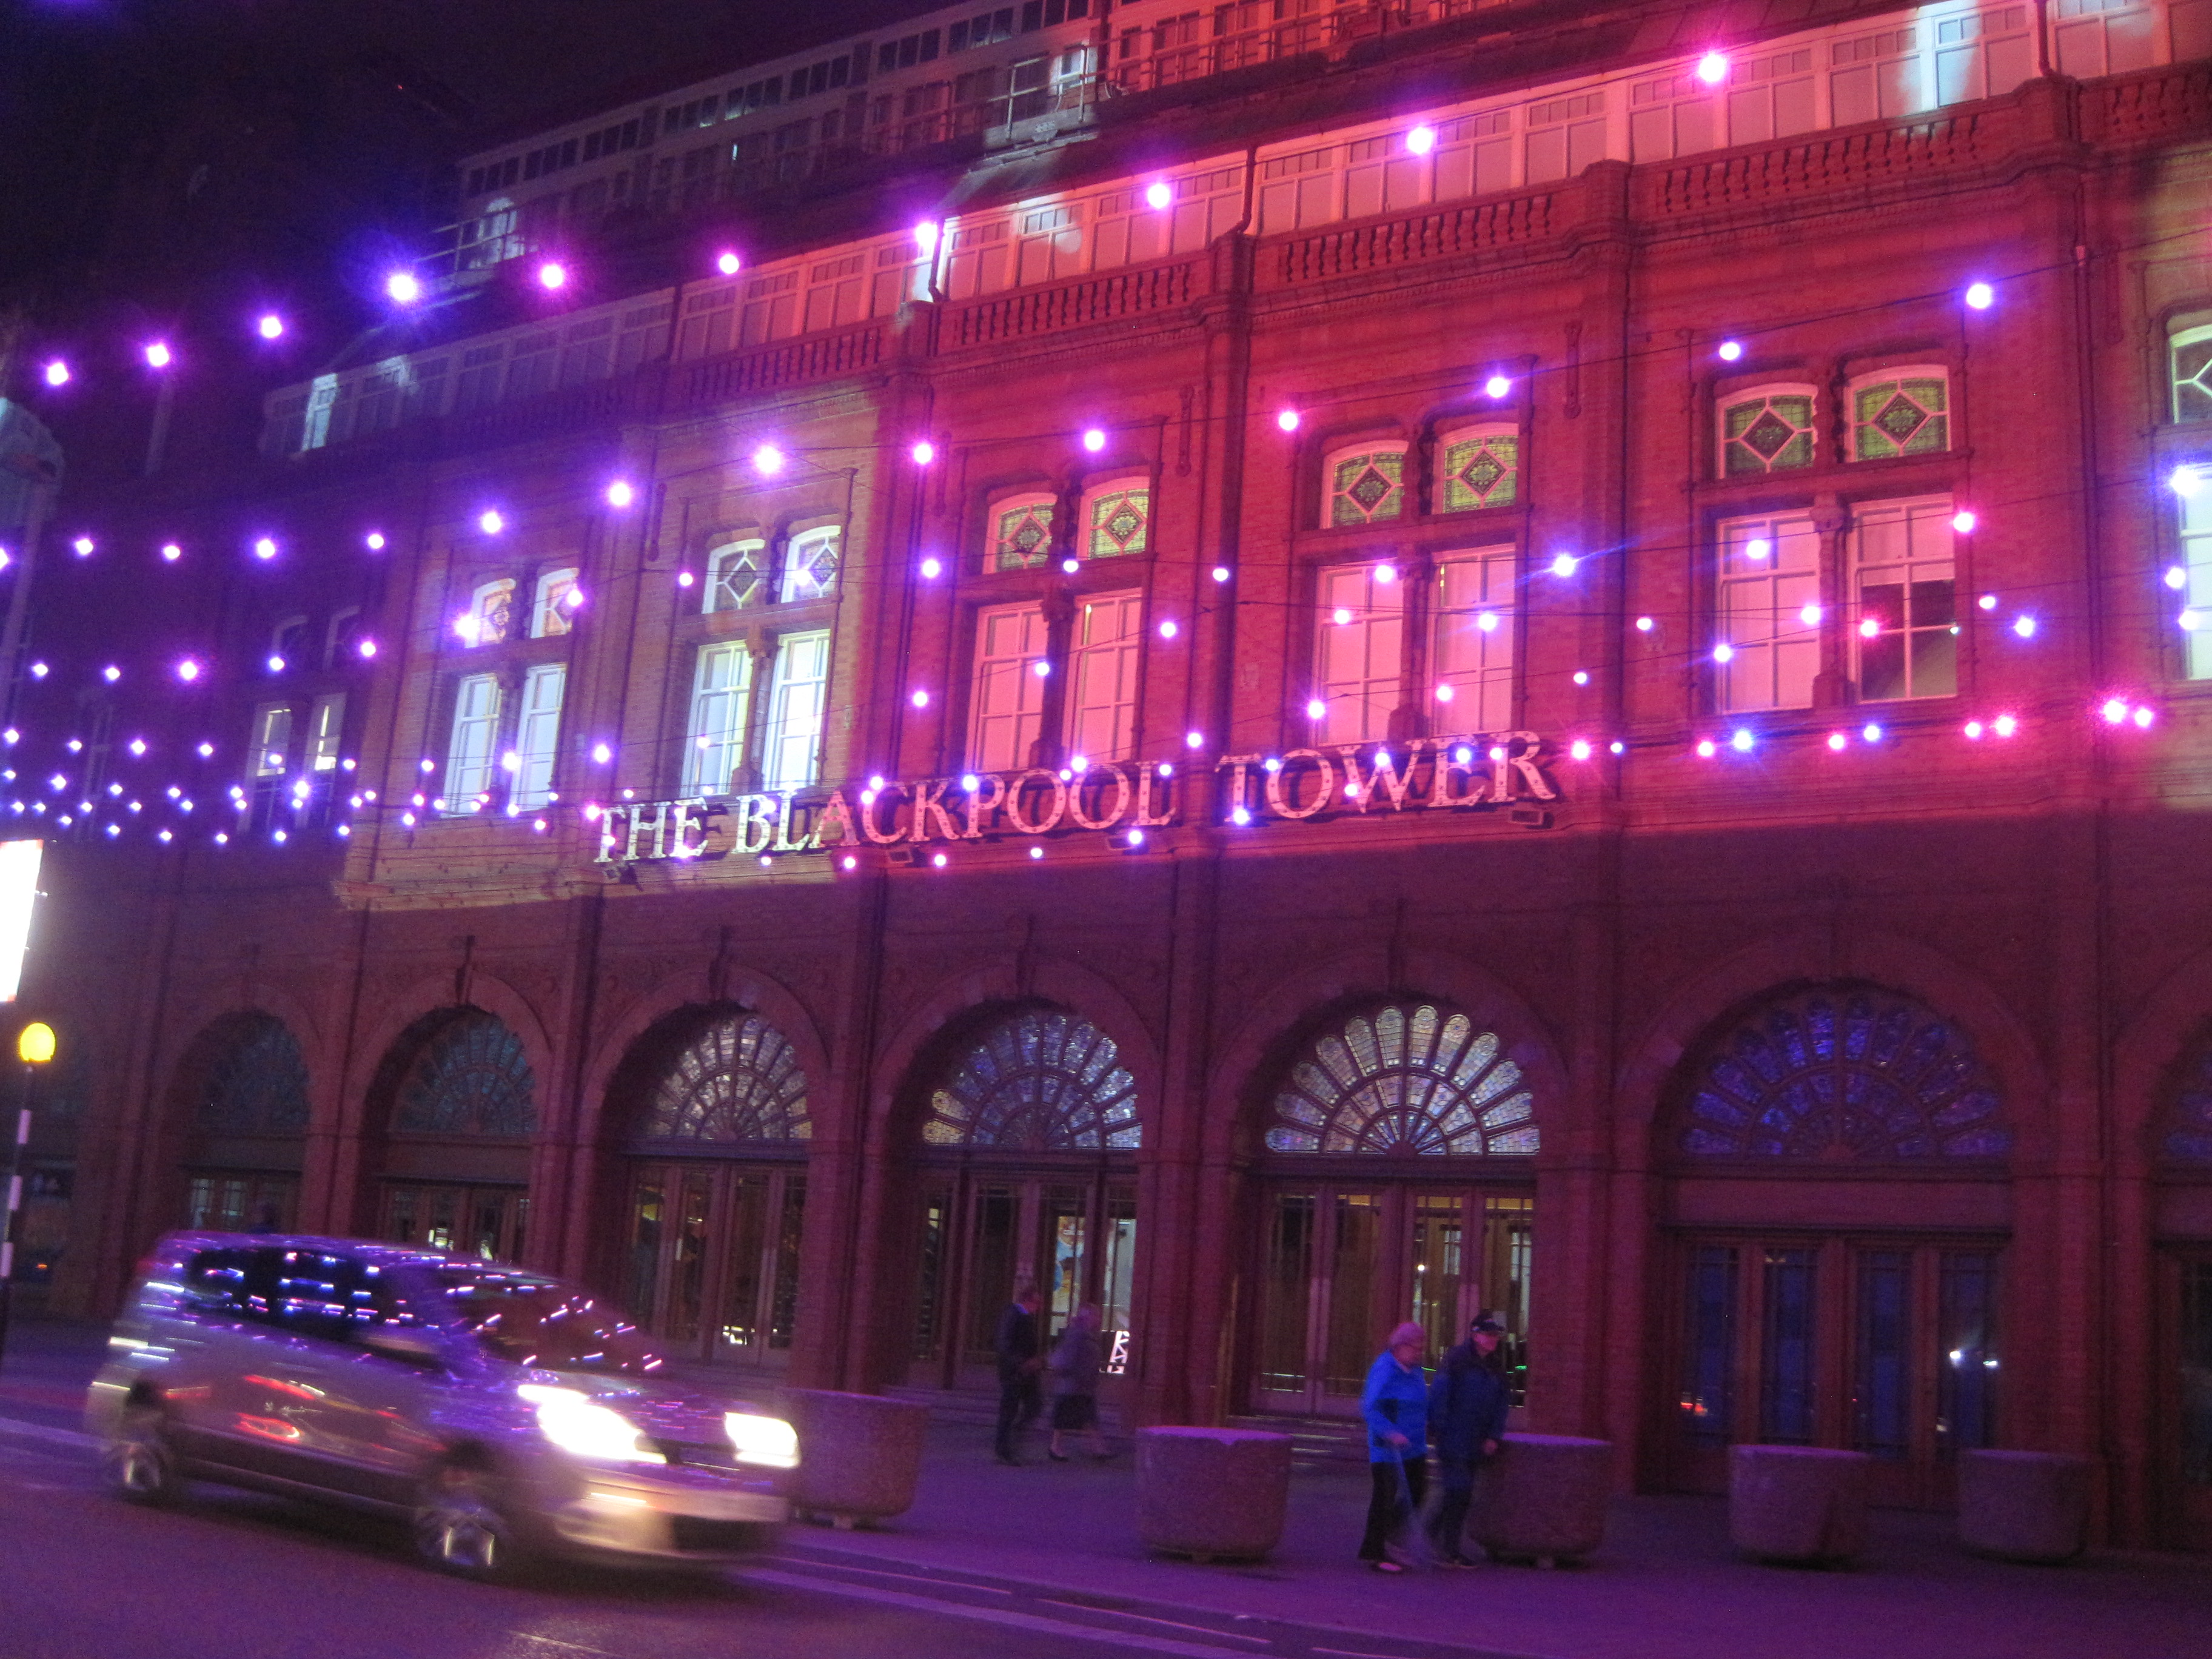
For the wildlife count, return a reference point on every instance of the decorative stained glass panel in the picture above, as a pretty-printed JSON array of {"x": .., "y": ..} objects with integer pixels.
[
  {"x": 1845, "y": 1074},
  {"x": 1042, "y": 1081},
  {"x": 738, "y": 1080},
  {"x": 1909, "y": 415},
  {"x": 1770, "y": 433},
  {"x": 2192, "y": 374},
  {"x": 1022, "y": 538},
  {"x": 470, "y": 1079},
  {"x": 1120, "y": 520},
  {"x": 1405, "y": 1080},
  {"x": 1481, "y": 469},
  {"x": 258, "y": 1086},
  {"x": 1367, "y": 488}
]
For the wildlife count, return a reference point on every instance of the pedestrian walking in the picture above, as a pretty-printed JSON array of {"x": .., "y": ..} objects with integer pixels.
[
  {"x": 1395, "y": 1403},
  {"x": 1467, "y": 1402},
  {"x": 1020, "y": 1348},
  {"x": 1077, "y": 1359}
]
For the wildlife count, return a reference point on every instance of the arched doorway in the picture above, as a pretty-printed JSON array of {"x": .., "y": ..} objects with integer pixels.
[
  {"x": 247, "y": 1085},
  {"x": 1836, "y": 1229},
  {"x": 463, "y": 1107},
  {"x": 1396, "y": 1184},
  {"x": 715, "y": 1186},
  {"x": 2184, "y": 1224},
  {"x": 1027, "y": 1155}
]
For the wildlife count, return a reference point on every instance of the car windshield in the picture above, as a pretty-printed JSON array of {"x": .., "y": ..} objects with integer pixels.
[{"x": 528, "y": 1319}]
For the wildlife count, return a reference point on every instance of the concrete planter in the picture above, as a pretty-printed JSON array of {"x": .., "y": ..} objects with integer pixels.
[
  {"x": 860, "y": 1454},
  {"x": 1212, "y": 1493},
  {"x": 1798, "y": 1504},
  {"x": 1543, "y": 1498},
  {"x": 2024, "y": 1506}
]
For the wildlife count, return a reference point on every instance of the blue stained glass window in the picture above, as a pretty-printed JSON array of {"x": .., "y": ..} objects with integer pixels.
[{"x": 1848, "y": 1073}]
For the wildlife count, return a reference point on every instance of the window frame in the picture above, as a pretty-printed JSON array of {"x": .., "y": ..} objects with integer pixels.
[
  {"x": 1343, "y": 454},
  {"x": 1726, "y": 403},
  {"x": 2186, "y": 329},
  {"x": 530, "y": 783},
  {"x": 1023, "y": 676},
  {"x": 1096, "y": 496},
  {"x": 1461, "y": 432},
  {"x": 697, "y": 779},
  {"x": 774, "y": 735},
  {"x": 998, "y": 509},
  {"x": 1487, "y": 678},
  {"x": 1323, "y": 730},
  {"x": 1859, "y": 383},
  {"x": 552, "y": 611},
  {"x": 1850, "y": 567},
  {"x": 1768, "y": 574},
  {"x": 486, "y": 768},
  {"x": 720, "y": 555},
  {"x": 1123, "y": 709}
]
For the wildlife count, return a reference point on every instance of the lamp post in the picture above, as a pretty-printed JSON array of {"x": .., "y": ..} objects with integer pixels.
[{"x": 34, "y": 1046}]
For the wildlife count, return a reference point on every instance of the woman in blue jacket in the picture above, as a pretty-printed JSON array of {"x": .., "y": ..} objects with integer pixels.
[{"x": 1395, "y": 1403}]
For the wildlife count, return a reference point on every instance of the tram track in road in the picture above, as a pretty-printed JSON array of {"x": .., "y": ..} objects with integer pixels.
[{"x": 1127, "y": 1622}]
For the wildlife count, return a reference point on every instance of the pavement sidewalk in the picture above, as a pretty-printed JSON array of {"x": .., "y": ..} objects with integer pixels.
[{"x": 1665, "y": 1586}]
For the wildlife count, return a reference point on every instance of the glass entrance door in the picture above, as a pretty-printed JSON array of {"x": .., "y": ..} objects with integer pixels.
[
  {"x": 981, "y": 1235},
  {"x": 1887, "y": 1346},
  {"x": 1342, "y": 1264},
  {"x": 2187, "y": 1400},
  {"x": 478, "y": 1220},
  {"x": 712, "y": 1267}
]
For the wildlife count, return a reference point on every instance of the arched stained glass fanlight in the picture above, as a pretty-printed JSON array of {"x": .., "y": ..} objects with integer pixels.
[
  {"x": 1042, "y": 1081},
  {"x": 470, "y": 1079},
  {"x": 738, "y": 1080},
  {"x": 1844, "y": 1073},
  {"x": 2188, "y": 1137},
  {"x": 1405, "y": 1080},
  {"x": 258, "y": 1085}
]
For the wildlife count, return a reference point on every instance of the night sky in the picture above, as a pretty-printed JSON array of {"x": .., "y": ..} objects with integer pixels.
[{"x": 156, "y": 148}]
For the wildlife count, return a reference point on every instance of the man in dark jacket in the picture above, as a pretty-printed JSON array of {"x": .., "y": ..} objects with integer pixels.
[
  {"x": 1467, "y": 1403},
  {"x": 1020, "y": 1350}
]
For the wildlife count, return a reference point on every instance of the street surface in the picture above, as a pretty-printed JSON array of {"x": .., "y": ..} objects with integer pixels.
[{"x": 239, "y": 1576}]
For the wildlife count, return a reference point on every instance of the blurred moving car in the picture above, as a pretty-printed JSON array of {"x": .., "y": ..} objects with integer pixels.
[{"x": 510, "y": 1416}]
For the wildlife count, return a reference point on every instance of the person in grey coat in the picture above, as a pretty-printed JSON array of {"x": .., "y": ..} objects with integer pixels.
[
  {"x": 1077, "y": 1359},
  {"x": 1467, "y": 1403}
]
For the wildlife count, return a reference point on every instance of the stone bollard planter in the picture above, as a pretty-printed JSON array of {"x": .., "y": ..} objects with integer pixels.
[
  {"x": 1213, "y": 1494},
  {"x": 1543, "y": 1498},
  {"x": 2024, "y": 1506},
  {"x": 1803, "y": 1504},
  {"x": 860, "y": 1454}
]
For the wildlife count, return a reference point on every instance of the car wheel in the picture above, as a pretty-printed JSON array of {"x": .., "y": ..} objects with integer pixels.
[
  {"x": 138, "y": 1464},
  {"x": 460, "y": 1529}
]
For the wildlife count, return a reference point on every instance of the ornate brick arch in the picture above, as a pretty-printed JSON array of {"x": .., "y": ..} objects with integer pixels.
[
  {"x": 1258, "y": 1061},
  {"x": 378, "y": 1052},
  {"x": 2159, "y": 1062},
  {"x": 926, "y": 1042},
  {"x": 670, "y": 998},
  {"x": 1648, "y": 1078}
]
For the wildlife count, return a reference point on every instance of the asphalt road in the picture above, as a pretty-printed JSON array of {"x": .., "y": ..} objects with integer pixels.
[{"x": 235, "y": 1575}]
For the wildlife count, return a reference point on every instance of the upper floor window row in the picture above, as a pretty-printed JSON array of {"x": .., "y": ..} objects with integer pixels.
[
  {"x": 745, "y": 573},
  {"x": 1889, "y": 415},
  {"x": 1476, "y": 467},
  {"x": 555, "y": 596},
  {"x": 1113, "y": 518}
]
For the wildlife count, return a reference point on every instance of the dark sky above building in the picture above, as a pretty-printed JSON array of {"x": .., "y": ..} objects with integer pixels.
[{"x": 152, "y": 142}]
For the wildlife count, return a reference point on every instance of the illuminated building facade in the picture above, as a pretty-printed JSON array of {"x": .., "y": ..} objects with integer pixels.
[{"x": 1362, "y": 664}]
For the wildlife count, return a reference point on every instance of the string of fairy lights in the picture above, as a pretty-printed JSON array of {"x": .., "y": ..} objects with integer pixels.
[{"x": 80, "y": 795}]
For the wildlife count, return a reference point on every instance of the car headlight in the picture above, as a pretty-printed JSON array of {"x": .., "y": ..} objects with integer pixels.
[
  {"x": 582, "y": 1427},
  {"x": 767, "y": 1441}
]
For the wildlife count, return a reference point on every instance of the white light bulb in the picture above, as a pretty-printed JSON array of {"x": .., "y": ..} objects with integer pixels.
[{"x": 1421, "y": 140}]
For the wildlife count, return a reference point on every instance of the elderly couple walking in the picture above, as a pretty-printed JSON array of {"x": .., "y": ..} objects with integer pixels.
[
  {"x": 1076, "y": 1359},
  {"x": 1462, "y": 1411}
]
